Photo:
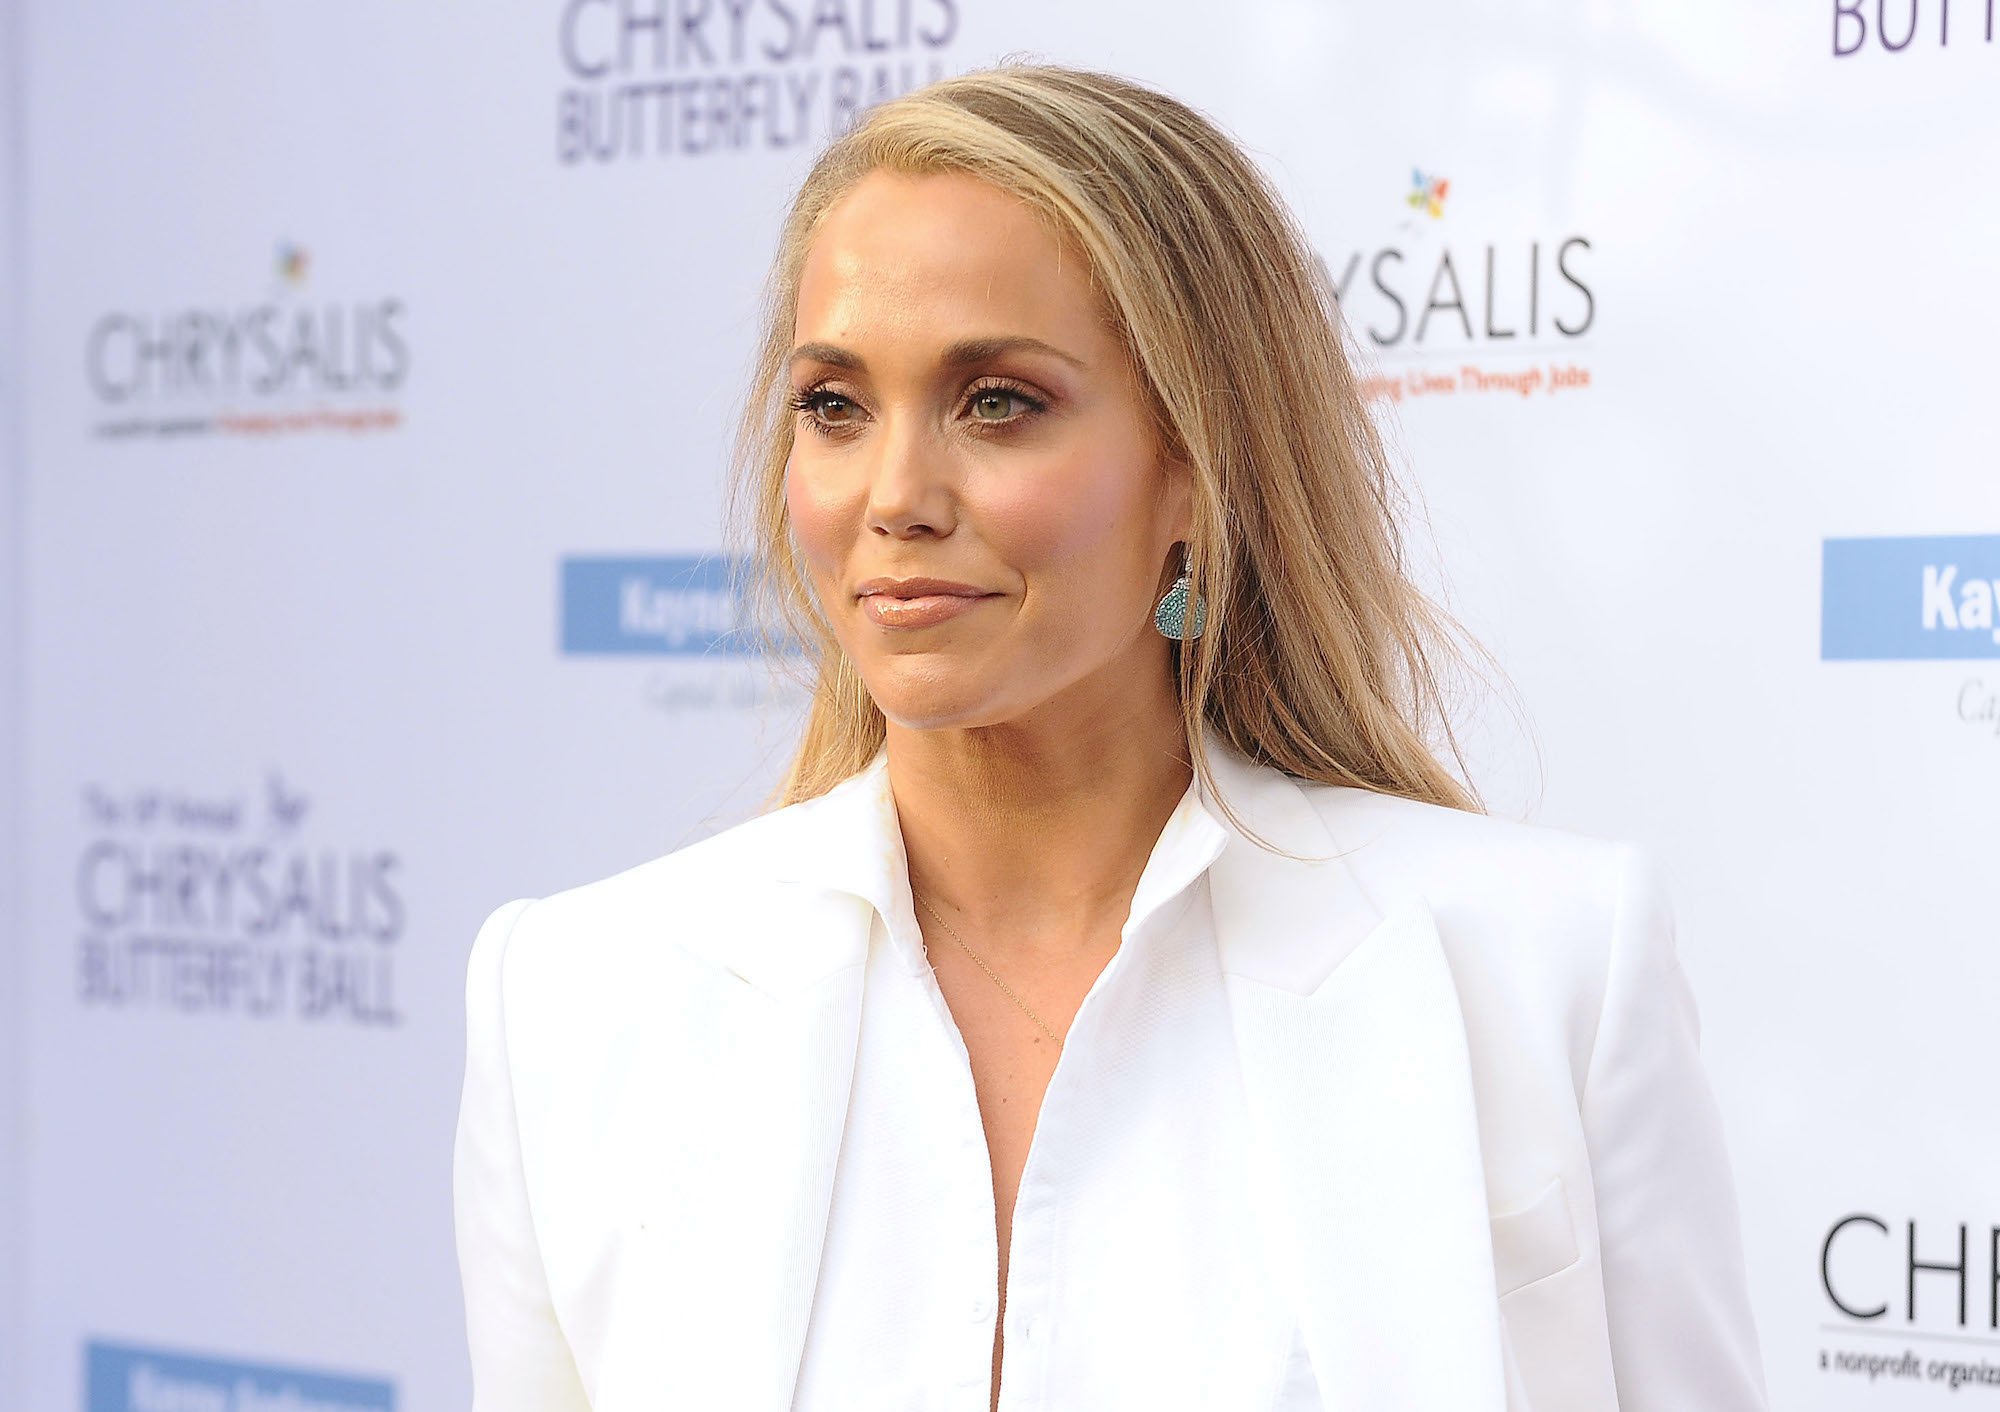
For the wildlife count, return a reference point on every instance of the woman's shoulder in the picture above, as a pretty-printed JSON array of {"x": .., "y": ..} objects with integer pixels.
[
  {"x": 665, "y": 904},
  {"x": 1489, "y": 874},
  {"x": 1420, "y": 830},
  {"x": 1538, "y": 923}
]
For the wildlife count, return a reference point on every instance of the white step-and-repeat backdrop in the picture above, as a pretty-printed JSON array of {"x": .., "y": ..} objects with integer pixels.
[
  {"x": 13, "y": 1003},
  {"x": 378, "y": 365}
]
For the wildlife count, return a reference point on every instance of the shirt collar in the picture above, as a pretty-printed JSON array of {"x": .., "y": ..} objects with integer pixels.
[{"x": 853, "y": 842}]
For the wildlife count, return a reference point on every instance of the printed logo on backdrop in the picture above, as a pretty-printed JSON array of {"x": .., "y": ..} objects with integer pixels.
[
  {"x": 1457, "y": 313},
  {"x": 1911, "y": 26},
  {"x": 283, "y": 360},
  {"x": 234, "y": 902},
  {"x": 1911, "y": 1302},
  {"x": 689, "y": 78},
  {"x": 1918, "y": 598},
  {"x": 685, "y": 615},
  {"x": 124, "y": 1378}
]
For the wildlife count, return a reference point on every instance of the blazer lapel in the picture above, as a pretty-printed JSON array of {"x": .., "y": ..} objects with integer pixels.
[
  {"x": 735, "y": 1237},
  {"x": 1359, "y": 1083},
  {"x": 730, "y": 1239}
]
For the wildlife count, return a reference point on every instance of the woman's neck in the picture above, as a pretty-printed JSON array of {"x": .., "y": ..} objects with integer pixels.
[{"x": 1036, "y": 832}]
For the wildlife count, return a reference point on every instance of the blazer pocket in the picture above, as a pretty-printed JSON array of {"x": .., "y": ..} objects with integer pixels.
[{"x": 1535, "y": 1241}]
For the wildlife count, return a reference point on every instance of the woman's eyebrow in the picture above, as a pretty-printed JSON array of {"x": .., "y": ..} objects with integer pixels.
[
  {"x": 961, "y": 354},
  {"x": 978, "y": 350}
]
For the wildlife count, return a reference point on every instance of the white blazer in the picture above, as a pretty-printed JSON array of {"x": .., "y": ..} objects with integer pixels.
[{"x": 1470, "y": 1053}]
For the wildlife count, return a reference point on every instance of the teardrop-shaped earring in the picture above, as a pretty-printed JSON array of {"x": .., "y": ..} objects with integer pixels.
[{"x": 1171, "y": 617}]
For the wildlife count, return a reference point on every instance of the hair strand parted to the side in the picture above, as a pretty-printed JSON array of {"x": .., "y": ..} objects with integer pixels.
[{"x": 1321, "y": 657}]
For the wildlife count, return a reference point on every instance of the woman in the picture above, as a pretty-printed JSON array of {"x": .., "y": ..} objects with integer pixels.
[{"x": 1125, "y": 1008}]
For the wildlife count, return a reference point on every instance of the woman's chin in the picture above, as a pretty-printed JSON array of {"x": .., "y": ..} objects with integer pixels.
[
  {"x": 936, "y": 703},
  {"x": 935, "y": 716}
]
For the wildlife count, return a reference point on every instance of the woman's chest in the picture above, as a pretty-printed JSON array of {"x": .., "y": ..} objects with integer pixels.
[{"x": 1094, "y": 1219}]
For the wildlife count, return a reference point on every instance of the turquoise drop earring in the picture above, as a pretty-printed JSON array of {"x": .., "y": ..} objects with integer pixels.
[{"x": 1171, "y": 617}]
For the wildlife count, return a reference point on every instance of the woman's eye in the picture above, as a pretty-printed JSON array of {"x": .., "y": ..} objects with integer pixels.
[
  {"x": 825, "y": 408},
  {"x": 998, "y": 404}
]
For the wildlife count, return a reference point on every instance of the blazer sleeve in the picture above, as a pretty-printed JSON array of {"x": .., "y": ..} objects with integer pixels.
[
  {"x": 520, "y": 1360},
  {"x": 1675, "y": 1288}
]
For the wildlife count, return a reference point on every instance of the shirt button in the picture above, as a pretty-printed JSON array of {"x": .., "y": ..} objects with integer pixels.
[{"x": 982, "y": 1307}]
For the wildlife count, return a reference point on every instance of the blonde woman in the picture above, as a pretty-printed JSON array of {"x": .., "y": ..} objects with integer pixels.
[{"x": 1123, "y": 1007}]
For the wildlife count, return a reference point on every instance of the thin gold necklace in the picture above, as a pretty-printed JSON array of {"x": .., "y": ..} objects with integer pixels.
[{"x": 988, "y": 969}]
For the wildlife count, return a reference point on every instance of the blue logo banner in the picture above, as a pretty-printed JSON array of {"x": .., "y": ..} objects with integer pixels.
[
  {"x": 119, "y": 1378},
  {"x": 1920, "y": 598},
  {"x": 690, "y": 606}
]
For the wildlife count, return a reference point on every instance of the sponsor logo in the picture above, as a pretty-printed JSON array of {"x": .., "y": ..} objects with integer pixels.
[
  {"x": 1427, "y": 193},
  {"x": 1444, "y": 307},
  {"x": 654, "y": 607},
  {"x": 1893, "y": 26},
  {"x": 687, "y": 79},
  {"x": 123, "y": 1378},
  {"x": 1918, "y": 1298},
  {"x": 234, "y": 903},
  {"x": 1910, "y": 599},
  {"x": 279, "y": 362},
  {"x": 687, "y": 616}
]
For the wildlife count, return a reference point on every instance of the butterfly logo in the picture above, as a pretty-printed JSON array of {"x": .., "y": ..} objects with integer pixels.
[
  {"x": 1427, "y": 193},
  {"x": 291, "y": 263}
]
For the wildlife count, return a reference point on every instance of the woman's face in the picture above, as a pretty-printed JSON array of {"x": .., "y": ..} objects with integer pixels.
[{"x": 965, "y": 415}]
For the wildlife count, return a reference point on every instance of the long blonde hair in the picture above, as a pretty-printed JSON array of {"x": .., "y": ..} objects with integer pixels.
[{"x": 1320, "y": 656}]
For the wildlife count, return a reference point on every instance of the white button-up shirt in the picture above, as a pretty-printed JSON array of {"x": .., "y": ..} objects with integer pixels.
[{"x": 1135, "y": 1277}]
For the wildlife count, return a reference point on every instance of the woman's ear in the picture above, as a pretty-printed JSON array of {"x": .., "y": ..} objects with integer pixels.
[
  {"x": 1170, "y": 568},
  {"x": 1179, "y": 501}
]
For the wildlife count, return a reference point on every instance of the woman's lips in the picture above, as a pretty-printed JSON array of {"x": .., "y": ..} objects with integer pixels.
[{"x": 920, "y": 611}]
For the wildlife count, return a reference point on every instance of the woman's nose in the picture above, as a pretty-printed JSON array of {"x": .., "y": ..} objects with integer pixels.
[{"x": 910, "y": 488}]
